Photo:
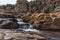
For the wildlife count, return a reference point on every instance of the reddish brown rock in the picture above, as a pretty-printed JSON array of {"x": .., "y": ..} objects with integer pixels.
[{"x": 57, "y": 23}]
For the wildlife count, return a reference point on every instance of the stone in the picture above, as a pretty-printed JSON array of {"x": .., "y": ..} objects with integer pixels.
[
  {"x": 1, "y": 36},
  {"x": 57, "y": 23}
]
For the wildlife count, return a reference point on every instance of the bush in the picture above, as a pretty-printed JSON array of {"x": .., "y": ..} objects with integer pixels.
[{"x": 48, "y": 9}]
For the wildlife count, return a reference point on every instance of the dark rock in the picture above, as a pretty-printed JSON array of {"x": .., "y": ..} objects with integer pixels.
[
  {"x": 57, "y": 23},
  {"x": 11, "y": 25},
  {"x": 6, "y": 16}
]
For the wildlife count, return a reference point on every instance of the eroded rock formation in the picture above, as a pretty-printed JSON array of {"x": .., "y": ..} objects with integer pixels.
[{"x": 42, "y": 20}]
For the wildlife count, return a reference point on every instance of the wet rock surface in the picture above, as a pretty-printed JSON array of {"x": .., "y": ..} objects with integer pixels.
[{"x": 6, "y": 34}]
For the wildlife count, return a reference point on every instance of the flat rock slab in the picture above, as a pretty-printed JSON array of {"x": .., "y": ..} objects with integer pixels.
[{"x": 13, "y": 34}]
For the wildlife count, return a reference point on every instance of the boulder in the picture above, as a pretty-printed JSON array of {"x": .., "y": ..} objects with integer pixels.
[
  {"x": 57, "y": 23},
  {"x": 10, "y": 25}
]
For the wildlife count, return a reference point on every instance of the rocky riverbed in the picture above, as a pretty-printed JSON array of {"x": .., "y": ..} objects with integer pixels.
[{"x": 6, "y": 34}]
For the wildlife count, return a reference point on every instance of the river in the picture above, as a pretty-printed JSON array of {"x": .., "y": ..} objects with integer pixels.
[{"x": 48, "y": 35}]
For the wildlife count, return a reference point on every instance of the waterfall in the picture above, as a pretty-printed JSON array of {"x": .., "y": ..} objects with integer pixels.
[{"x": 25, "y": 25}]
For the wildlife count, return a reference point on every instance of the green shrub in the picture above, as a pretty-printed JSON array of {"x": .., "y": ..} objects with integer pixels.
[{"x": 48, "y": 9}]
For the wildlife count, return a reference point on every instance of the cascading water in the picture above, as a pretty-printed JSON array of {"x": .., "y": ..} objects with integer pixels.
[
  {"x": 23, "y": 26},
  {"x": 29, "y": 28}
]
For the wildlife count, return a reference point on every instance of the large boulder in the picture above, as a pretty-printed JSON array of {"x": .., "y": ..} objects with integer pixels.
[
  {"x": 49, "y": 22},
  {"x": 57, "y": 23},
  {"x": 10, "y": 25}
]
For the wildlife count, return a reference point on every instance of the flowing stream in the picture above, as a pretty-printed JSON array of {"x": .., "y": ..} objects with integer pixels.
[{"x": 28, "y": 27}]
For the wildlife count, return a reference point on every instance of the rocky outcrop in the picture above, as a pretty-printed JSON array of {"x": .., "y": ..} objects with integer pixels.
[
  {"x": 51, "y": 21},
  {"x": 21, "y": 6},
  {"x": 37, "y": 5},
  {"x": 42, "y": 20},
  {"x": 10, "y": 25},
  {"x": 57, "y": 22}
]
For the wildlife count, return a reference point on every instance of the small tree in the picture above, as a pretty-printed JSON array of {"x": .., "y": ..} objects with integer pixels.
[{"x": 48, "y": 9}]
